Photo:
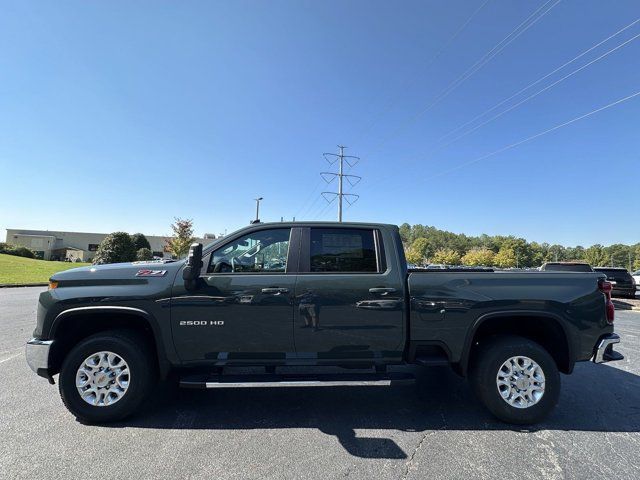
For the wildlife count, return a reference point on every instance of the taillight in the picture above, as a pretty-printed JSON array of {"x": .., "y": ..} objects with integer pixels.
[{"x": 606, "y": 287}]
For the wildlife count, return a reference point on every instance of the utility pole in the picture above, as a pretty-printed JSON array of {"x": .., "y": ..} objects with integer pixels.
[{"x": 329, "y": 177}]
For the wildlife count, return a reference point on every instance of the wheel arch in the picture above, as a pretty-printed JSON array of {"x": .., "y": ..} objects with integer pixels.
[
  {"x": 72, "y": 325},
  {"x": 546, "y": 328}
]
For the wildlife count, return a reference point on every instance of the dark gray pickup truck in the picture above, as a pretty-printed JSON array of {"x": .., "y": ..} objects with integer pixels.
[{"x": 309, "y": 295}]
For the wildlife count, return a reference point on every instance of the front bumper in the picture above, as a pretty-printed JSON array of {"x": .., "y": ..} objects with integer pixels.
[
  {"x": 604, "y": 352},
  {"x": 37, "y": 353}
]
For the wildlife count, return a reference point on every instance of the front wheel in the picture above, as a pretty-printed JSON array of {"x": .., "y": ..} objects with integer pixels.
[
  {"x": 516, "y": 379},
  {"x": 106, "y": 376}
]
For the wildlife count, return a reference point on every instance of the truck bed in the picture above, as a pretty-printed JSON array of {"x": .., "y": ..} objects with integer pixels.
[{"x": 446, "y": 305}]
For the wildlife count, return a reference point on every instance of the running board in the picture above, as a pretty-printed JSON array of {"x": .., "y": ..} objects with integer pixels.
[{"x": 295, "y": 380}]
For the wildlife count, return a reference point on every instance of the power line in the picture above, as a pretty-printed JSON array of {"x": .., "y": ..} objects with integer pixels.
[
  {"x": 322, "y": 211},
  {"x": 304, "y": 204},
  {"x": 329, "y": 177},
  {"x": 409, "y": 80},
  {"x": 310, "y": 210},
  {"x": 538, "y": 80},
  {"x": 486, "y": 58},
  {"x": 455, "y": 139},
  {"x": 532, "y": 137}
]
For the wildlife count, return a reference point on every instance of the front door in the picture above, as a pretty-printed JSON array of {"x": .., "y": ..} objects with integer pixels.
[
  {"x": 241, "y": 310},
  {"x": 349, "y": 304}
]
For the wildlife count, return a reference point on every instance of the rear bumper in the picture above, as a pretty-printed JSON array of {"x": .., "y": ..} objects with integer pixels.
[
  {"x": 623, "y": 290},
  {"x": 37, "y": 353},
  {"x": 603, "y": 351}
]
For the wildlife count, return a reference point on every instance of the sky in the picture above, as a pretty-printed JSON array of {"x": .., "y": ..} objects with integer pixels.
[{"x": 123, "y": 115}]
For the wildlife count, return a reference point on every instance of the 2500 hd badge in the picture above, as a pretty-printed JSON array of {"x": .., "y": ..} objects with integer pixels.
[{"x": 201, "y": 323}]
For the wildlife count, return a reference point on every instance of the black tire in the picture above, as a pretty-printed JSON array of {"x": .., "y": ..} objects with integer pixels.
[
  {"x": 488, "y": 359},
  {"x": 134, "y": 350}
]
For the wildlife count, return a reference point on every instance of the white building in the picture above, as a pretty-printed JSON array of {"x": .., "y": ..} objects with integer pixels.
[{"x": 76, "y": 246}]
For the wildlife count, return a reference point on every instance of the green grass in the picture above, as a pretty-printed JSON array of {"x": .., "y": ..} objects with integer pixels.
[{"x": 27, "y": 270}]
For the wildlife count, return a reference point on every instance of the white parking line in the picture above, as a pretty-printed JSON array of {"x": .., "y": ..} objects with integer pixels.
[{"x": 16, "y": 352}]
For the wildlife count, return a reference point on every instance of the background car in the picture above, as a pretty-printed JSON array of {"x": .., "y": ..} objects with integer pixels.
[{"x": 622, "y": 281}]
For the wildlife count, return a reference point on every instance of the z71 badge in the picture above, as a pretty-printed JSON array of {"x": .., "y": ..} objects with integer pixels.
[{"x": 151, "y": 273}]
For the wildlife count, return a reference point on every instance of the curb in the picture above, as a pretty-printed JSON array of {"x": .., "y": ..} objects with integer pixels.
[{"x": 15, "y": 285}]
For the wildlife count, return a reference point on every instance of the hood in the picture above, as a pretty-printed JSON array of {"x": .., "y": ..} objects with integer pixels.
[{"x": 130, "y": 272}]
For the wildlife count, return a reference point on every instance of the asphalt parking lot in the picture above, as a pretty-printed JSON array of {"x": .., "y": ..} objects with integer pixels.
[{"x": 435, "y": 429}]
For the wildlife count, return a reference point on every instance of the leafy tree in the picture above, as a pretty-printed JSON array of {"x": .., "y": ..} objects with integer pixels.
[
  {"x": 575, "y": 253},
  {"x": 636, "y": 251},
  {"x": 140, "y": 241},
  {"x": 448, "y": 256},
  {"x": 557, "y": 253},
  {"x": 117, "y": 247},
  {"x": 619, "y": 255},
  {"x": 539, "y": 253},
  {"x": 416, "y": 252},
  {"x": 505, "y": 258},
  {"x": 596, "y": 256},
  {"x": 420, "y": 246},
  {"x": 522, "y": 250},
  {"x": 478, "y": 257},
  {"x": 182, "y": 237},
  {"x": 413, "y": 256},
  {"x": 405, "y": 233},
  {"x": 144, "y": 254}
]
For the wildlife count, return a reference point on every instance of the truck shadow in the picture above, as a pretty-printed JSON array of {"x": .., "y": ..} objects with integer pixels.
[{"x": 595, "y": 398}]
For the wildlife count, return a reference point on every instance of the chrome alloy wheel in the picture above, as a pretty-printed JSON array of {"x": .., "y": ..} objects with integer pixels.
[
  {"x": 103, "y": 379},
  {"x": 520, "y": 382}
]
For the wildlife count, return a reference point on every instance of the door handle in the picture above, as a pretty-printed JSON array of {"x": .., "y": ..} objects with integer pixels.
[
  {"x": 382, "y": 290},
  {"x": 275, "y": 290}
]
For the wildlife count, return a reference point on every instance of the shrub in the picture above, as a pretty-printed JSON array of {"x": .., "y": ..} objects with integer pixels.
[
  {"x": 144, "y": 254},
  {"x": 117, "y": 247},
  {"x": 140, "y": 241},
  {"x": 23, "y": 252},
  {"x": 16, "y": 250}
]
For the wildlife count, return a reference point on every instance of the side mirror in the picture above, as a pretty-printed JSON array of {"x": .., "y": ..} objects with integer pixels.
[{"x": 194, "y": 263}]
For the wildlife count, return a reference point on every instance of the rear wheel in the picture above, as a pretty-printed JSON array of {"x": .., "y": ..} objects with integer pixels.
[
  {"x": 106, "y": 376},
  {"x": 516, "y": 379}
]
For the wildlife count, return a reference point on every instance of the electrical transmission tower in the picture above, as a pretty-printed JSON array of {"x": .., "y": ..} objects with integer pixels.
[{"x": 329, "y": 177}]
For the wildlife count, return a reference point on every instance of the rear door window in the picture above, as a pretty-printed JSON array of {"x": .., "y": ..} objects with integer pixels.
[{"x": 343, "y": 250}]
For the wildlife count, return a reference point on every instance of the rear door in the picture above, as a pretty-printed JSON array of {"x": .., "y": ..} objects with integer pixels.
[{"x": 349, "y": 304}]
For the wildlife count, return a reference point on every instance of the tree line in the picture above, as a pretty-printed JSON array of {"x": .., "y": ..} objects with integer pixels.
[{"x": 426, "y": 244}]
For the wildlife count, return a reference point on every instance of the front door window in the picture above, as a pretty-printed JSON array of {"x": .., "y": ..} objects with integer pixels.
[{"x": 261, "y": 251}]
